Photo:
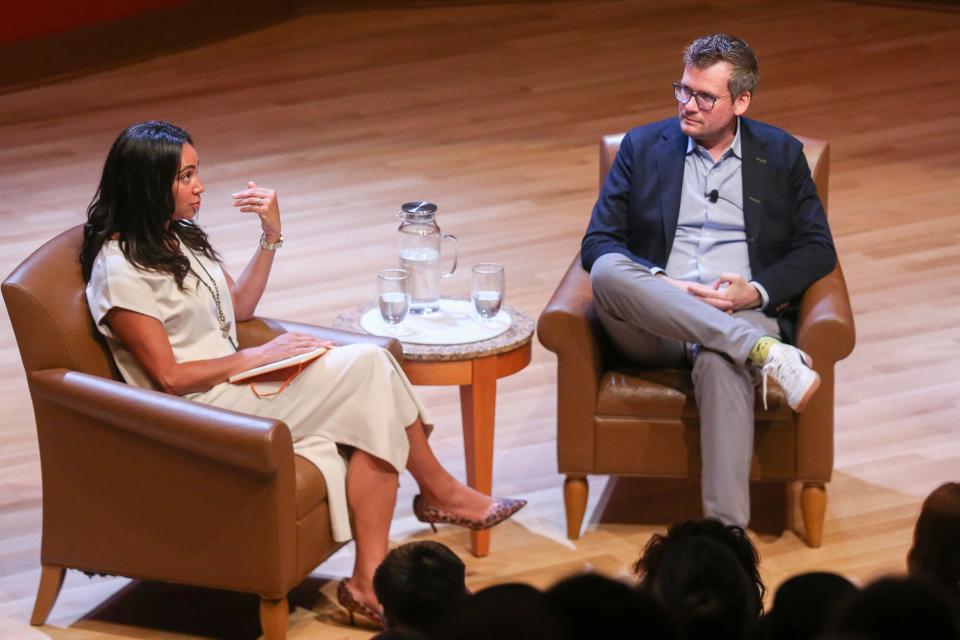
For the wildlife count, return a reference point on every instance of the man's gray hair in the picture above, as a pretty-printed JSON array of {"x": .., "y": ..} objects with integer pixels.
[{"x": 709, "y": 50}]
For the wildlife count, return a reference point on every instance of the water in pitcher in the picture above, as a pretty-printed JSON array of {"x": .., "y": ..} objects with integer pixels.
[{"x": 423, "y": 265}]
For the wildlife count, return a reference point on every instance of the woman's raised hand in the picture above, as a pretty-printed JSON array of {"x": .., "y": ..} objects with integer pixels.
[
  {"x": 262, "y": 202},
  {"x": 289, "y": 344}
]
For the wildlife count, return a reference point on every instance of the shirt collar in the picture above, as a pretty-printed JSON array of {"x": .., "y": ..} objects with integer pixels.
[{"x": 734, "y": 147}]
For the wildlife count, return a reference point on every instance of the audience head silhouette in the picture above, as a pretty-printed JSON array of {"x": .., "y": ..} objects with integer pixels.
[
  {"x": 510, "y": 611},
  {"x": 399, "y": 634},
  {"x": 935, "y": 554},
  {"x": 732, "y": 537},
  {"x": 895, "y": 609},
  {"x": 704, "y": 589},
  {"x": 417, "y": 584},
  {"x": 802, "y": 606},
  {"x": 598, "y": 607}
]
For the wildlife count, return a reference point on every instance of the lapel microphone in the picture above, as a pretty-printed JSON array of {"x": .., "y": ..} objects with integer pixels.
[{"x": 713, "y": 196}]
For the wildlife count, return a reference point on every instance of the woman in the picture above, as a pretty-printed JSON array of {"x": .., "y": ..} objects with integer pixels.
[{"x": 158, "y": 293}]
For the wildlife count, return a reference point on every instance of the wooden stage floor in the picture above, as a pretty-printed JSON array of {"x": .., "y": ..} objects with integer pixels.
[{"x": 494, "y": 112}]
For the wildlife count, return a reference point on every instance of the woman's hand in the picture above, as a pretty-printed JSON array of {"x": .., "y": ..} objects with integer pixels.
[
  {"x": 262, "y": 202},
  {"x": 147, "y": 340},
  {"x": 248, "y": 288},
  {"x": 286, "y": 345}
]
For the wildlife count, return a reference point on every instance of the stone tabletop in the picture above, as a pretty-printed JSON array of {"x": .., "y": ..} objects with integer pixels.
[{"x": 519, "y": 333}]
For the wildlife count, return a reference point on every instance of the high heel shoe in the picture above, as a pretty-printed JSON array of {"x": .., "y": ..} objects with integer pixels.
[
  {"x": 500, "y": 510},
  {"x": 355, "y": 608}
]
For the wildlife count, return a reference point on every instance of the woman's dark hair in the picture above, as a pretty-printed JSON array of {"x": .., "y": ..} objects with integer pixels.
[
  {"x": 135, "y": 201},
  {"x": 731, "y": 536},
  {"x": 935, "y": 554}
]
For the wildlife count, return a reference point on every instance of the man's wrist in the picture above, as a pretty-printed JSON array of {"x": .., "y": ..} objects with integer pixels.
[{"x": 761, "y": 294}]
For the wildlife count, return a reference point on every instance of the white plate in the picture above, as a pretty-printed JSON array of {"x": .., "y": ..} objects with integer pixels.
[{"x": 455, "y": 323}]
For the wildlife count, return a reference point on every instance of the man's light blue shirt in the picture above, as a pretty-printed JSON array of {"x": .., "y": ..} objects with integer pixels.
[{"x": 711, "y": 237}]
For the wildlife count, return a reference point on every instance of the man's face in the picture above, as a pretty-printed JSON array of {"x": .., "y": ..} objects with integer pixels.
[{"x": 715, "y": 126}]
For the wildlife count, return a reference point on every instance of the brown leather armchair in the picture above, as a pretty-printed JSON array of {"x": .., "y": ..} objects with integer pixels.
[
  {"x": 614, "y": 418},
  {"x": 148, "y": 485}
]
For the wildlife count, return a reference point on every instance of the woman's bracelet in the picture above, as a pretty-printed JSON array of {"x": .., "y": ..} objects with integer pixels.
[{"x": 270, "y": 246}]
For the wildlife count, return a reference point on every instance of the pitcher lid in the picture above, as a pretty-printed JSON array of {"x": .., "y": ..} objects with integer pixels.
[{"x": 418, "y": 210}]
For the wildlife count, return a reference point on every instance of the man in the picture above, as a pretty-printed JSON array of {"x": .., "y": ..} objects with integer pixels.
[
  {"x": 707, "y": 231},
  {"x": 417, "y": 584}
]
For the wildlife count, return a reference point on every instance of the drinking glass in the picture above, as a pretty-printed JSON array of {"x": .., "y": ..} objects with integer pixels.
[
  {"x": 393, "y": 297},
  {"x": 487, "y": 291}
]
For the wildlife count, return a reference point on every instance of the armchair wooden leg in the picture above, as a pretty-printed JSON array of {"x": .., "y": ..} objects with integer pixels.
[
  {"x": 273, "y": 618},
  {"x": 575, "y": 492},
  {"x": 813, "y": 506},
  {"x": 51, "y": 579}
]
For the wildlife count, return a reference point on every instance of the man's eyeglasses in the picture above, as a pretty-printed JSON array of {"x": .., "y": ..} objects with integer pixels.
[{"x": 705, "y": 101}]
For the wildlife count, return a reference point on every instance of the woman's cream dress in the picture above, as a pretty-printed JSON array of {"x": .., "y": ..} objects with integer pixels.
[{"x": 354, "y": 395}]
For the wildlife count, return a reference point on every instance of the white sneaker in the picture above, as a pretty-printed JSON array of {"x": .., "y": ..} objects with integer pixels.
[{"x": 790, "y": 367}]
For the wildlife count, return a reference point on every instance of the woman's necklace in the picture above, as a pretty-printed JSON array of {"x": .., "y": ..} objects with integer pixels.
[{"x": 215, "y": 293}]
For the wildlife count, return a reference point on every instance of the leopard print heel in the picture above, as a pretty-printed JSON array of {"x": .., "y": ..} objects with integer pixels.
[
  {"x": 500, "y": 510},
  {"x": 360, "y": 614}
]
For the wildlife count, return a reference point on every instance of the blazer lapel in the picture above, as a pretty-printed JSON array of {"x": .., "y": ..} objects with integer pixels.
[
  {"x": 753, "y": 170},
  {"x": 670, "y": 157}
]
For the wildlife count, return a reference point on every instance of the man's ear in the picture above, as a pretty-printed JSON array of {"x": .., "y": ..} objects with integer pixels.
[{"x": 742, "y": 103}]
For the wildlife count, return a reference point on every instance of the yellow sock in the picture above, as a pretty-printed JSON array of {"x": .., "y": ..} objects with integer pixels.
[{"x": 758, "y": 354}]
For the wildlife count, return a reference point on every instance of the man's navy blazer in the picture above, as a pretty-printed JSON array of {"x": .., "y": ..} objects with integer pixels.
[{"x": 788, "y": 239}]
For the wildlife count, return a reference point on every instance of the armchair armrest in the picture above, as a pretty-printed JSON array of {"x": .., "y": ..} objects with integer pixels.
[
  {"x": 248, "y": 442},
  {"x": 147, "y": 485},
  {"x": 825, "y": 330},
  {"x": 259, "y": 330},
  {"x": 825, "y": 327},
  {"x": 568, "y": 326}
]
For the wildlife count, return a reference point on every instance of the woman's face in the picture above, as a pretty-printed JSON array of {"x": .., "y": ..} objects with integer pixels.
[{"x": 187, "y": 186}]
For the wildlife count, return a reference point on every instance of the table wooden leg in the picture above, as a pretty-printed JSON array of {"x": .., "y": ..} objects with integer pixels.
[{"x": 478, "y": 403}]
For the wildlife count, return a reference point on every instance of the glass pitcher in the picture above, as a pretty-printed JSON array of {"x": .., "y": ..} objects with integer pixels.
[{"x": 420, "y": 240}]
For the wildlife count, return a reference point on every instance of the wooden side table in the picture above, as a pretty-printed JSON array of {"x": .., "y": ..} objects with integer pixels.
[{"x": 475, "y": 367}]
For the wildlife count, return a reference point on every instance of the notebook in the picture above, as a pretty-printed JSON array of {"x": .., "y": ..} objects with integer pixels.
[{"x": 279, "y": 370}]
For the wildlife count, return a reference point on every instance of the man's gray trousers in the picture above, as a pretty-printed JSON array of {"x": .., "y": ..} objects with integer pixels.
[{"x": 655, "y": 324}]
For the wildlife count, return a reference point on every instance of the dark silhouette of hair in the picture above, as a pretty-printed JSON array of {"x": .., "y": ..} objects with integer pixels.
[
  {"x": 511, "y": 611},
  {"x": 731, "y": 536},
  {"x": 417, "y": 583},
  {"x": 894, "y": 609},
  {"x": 704, "y": 589},
  {"x": 135, "y": 201},
  {"x": 597, "y": 607},
  {"x": 399, "y": 634},
  {"x": 935, "y": 554},
  {"x": 802, "y": 606}
]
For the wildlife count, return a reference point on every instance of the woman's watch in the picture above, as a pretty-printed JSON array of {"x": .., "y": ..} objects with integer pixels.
[{"x": 270, "y": 246}]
